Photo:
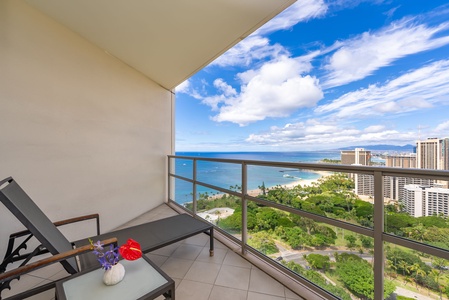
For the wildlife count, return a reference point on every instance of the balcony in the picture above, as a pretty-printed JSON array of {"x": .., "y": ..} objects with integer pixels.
[
  {"x": 198, "y": 276},
  {"x": 88, "y": 114},
  {"x": 376, "y": 226},
  {"x": 239, "y": 271}
]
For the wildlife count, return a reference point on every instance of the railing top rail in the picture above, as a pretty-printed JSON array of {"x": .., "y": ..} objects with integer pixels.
[{"x": 370, "y": 170}]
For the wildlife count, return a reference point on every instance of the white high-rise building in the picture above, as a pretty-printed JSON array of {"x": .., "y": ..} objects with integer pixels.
[
  {"x": 413, "y": 200},
  {"x": 437, "y": 201},
  {"x": 419, "y": 200}
]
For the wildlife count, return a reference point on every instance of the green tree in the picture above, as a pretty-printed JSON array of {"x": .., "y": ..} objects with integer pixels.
[
  {"x": 402, "y": 259},
  {"x": 350, "y": 241},
  {"x": 367, "y": 242},
  {"x": 419, "y": 272},
  {"x": 439, "y": 263},
  {"x": 318, "y": 261},
  {"x": 436, "y": 275},
  {"x": 294, "y": 236},
  {"x": 394, "y": 222},
  {"x": 267, "y": 218},
  {"x": 363, "y": 209},
  {"x": 263, "y": 189},
  {"x": 317, "y": 279},
  {"x": 263, "y": 242},
  {"x": 357, "y": 275},
  {"x": 433, "y": 221},
  {"x": 391, "y": 267},
  {"x": 404, "y": 266}
]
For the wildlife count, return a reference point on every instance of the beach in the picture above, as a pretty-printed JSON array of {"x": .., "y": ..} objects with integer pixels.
[
  {"x": 214, "y": 214},
  {"x": 229, "y": 174},
  {"x": 302, "y": 182}
]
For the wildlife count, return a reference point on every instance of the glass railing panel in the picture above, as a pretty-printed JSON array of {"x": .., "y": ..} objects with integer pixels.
[
  {"x": 182, "y": 167},
  {"x": 337, "y": 260},
  {"x": 416, "y": 274},
  {"x": 272, "y": 176},
  {"x": 222, "y": 210},
  {"x": 181, "y": 191},
  {"x": 265, "y": 177},
  {"x": 418, "y": 210},
  {"x": 323, "y": 193},
  {"x": 223, "y": 175}
]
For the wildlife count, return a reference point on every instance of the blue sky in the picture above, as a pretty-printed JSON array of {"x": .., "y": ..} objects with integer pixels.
[{"x": 324, "y": 75}]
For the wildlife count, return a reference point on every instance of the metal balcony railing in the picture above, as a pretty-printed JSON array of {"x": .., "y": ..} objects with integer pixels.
[{"x": 377, "y": 232}]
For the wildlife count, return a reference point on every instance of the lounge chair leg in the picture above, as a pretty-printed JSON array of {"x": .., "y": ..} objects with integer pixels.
[{"x": 211, "y": 242}]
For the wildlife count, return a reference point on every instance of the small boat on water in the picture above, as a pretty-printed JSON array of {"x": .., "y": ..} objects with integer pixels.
[{"x": 288, "y": 176}]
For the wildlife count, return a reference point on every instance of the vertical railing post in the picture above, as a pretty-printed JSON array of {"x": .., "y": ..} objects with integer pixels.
[
  {"x": 169, "y": 171},
  {"x": 194, "y": 186},
  {"x": 244, "y": 207},
  {"x": 378, "y": 240}
]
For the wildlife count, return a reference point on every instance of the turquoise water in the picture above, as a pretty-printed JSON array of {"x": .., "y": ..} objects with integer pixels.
[{"x": 226, "y": 175}]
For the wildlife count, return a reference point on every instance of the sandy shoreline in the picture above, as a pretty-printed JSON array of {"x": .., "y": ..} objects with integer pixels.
[{"x": 303, "y": 182}]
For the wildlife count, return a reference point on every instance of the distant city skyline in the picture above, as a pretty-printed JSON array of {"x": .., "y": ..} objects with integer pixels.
[{"x": 325, "y": 75}]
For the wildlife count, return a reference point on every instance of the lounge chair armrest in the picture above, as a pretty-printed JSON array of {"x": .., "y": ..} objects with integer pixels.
[
  {"x": 63, "y": 222},
  {"x": 80, "y": 219},
  {"x": 50, "y": 260},
  {"x": 12, "y": 251}
]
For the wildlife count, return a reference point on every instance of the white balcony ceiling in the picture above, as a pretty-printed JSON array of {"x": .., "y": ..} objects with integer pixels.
[{"x": 167, "y": 40}]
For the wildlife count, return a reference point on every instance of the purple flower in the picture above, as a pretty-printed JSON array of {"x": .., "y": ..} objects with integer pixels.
[
  {"x": 98, "y": 246},
  {"x": 106, "y": 259}
]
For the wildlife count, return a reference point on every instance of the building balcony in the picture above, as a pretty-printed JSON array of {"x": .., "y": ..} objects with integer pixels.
[
  {"x": 197, "y": 276},
  {"x": 240, "y": 271},
  {"x": 371, "y": 217},
  {"x": 88, "y": 120}
]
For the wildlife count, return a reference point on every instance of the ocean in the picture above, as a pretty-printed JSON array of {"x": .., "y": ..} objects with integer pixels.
[{"x": 225, "y": 175}]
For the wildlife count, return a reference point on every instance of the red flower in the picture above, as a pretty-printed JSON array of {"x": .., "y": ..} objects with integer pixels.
[{"x": 130, "y": 250}]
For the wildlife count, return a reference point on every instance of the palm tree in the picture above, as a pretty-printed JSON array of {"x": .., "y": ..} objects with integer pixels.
[
  {"x": 418, "y": 272},
  {"x": 391, "y": 266},
  {"x": 439, "y": 263},
  {"x": 404, "y": 266},
  {"x": 418, "y": 232},
  {"x": 349, "y": 201},
  {"x": 263, "y": 188},
  {"x": 436, "y": 275}
]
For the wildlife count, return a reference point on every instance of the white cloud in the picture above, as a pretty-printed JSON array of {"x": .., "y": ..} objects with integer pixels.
[
  {"x": 300, "y": 11},
  {"x": 391, "y": 11},
  {"x": 417, "y": 89},
  {"x": 374, "y": 128},
  {"x": 315, "y": 135},
  {"x": 277, "y": 89},
  {"x": 183, "y": 87},
  {"x": 251, "y": 49},
  {"x": 227, "y": 90},
  {"x": 361, "y": 56},
  {"x": 186, "y": 88},
  {"x": 257, "y": 47},
  {"x": 443, "y": 127}
]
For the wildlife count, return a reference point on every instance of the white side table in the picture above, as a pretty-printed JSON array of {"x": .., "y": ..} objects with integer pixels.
[{"x": 143, "y": 280}]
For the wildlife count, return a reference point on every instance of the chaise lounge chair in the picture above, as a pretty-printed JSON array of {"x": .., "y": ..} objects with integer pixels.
[{"x": 151, "y": 235}]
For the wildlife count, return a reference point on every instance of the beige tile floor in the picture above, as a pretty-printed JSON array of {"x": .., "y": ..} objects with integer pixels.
[{"x": 225, "y": 276}]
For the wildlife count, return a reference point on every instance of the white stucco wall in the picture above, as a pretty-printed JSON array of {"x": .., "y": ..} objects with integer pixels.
[{"x": 80, "y": 131}]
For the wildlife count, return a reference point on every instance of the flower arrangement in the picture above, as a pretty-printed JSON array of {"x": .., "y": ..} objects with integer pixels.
[
  {"x": 109, "y": 258},
  {"x": 131, "y": 250}
]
